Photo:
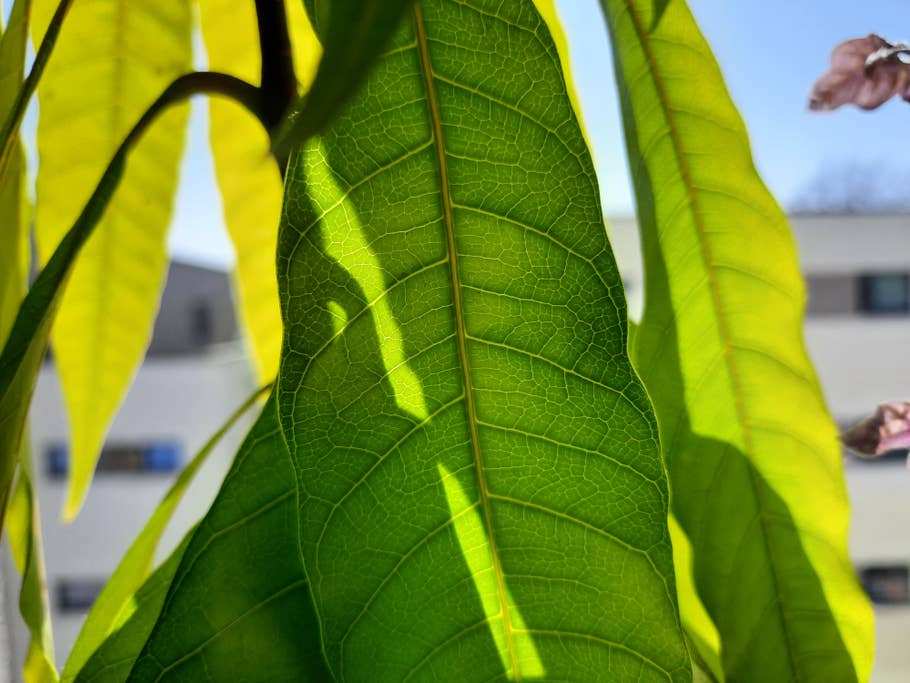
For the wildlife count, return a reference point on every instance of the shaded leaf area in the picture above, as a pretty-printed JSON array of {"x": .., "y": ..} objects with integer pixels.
[
  {"x": 134, "y": 568},
  {"x": 353, "y": 33},
  {"x": 755, "y": 465},
  {"x": 95, "y": 86},
  {"x": 248, "y": 175},
  {"x": 866, "y": 72},
  {"x": 887, "y": 430},
  {"x": 481, "y": 490},
  {"x": 233, "y": 605}
]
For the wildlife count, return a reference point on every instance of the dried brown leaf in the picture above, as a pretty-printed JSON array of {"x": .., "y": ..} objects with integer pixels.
[
  {"x": 887, "y": 430},
  {"x": 866, "y": 72}
]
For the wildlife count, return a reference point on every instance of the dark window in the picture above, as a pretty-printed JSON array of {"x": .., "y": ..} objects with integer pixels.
[
  {"x": 885, "y": 293},
  {"x": 887, "y": 585},
  {"x": 158, "y": 457},
  {"x": 77, "y": 595},
  {"x": 201, "y": 324}
]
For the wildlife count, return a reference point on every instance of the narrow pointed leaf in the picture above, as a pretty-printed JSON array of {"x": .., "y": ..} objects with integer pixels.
[
  {"x": 25, "y": 543},
  {"x": 481, "y": 490},
  {"x": 136, "y": 564},
  {"x": 112, "y": 661},
  {"x": 247, "y": 173},
  {"x": 353, "y": 33},
  {"x": 24, "y": 529},
  {"x": 755, "y": 466},
  {"x": 111, "y": 60},
  {"x": 237, "y": 607}
]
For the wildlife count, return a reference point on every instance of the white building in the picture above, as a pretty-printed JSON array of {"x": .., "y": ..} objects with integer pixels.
[{"x": 858, "y": 332}]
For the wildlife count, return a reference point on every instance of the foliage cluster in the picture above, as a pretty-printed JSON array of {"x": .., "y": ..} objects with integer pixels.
[{"x": 470, "y": 465}]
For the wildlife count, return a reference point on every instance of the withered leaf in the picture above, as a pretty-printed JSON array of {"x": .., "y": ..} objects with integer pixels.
[
  {"x": 866, "y": 72},
  {"x": 887, "y": 430}
]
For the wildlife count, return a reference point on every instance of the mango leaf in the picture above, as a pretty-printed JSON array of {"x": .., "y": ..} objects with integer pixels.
[
  {"x": 111, "y": 60},
  {"x": 482, "y": 495},
  {"x": 136, "y": 564},
  {"x": 113, "y": 660},
  {"x": 247, "y": 174},
  {"x": 755, "y": 466},
  {"x": 237, "y": 606},
  {"x": 14, "y": 226},
  {"x": 353, "y": 33},
  {"x": 24, "y": 531}
]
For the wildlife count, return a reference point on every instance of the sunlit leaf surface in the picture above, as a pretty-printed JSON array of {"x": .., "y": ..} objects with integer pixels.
[
  {"x": 481, "y": 490},
  {"x": 755, "y": 465},
  {"x": 111, "y": 60}
]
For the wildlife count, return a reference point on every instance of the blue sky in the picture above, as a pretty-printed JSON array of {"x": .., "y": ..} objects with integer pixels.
[{"x": 770, "y": 52}]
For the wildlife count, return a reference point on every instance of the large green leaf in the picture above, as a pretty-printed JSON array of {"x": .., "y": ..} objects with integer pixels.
[
  {"x": 136, "y": 564},
  {"x": 111, "y": 60},
  {"x": 481, "y": 490},
  {"x": 247, "y": 174},
  {"x": 755, "y": 466},
  {"x": 237, "y": 606}
]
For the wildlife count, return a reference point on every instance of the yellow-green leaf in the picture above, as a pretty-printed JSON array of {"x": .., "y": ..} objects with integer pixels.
[
  {"x": 23, "y": 527},
  {"x": 111, "y": 60},
  {"x": 247, "y": 174},
  {"x": 755, "y": 466}
]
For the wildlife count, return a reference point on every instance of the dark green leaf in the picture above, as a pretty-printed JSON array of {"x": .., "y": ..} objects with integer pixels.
[{"x": 237, "y": 606}]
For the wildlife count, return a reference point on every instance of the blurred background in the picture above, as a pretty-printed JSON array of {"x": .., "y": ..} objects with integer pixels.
[{"x": 843, "y": 177}]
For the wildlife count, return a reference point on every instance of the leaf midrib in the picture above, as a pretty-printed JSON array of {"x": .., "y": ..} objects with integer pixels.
[
  {"x": 723, "y": 328},
  {"x": 460, "y": 328}
]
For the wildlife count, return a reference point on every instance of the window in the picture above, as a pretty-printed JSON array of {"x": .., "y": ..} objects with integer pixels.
[
  {"x": 161, "y": 457},
  {"x": 886, "y": 585},
  {"x": 885, "y": 293},
  {"x": 202, "y": 326},
  {"x": 77, "y": 595}
]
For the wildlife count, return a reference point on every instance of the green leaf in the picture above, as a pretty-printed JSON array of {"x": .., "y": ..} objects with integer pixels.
[
  {"x": 755, "y": 467},
  {"x": 24, "y": 528},
  {"x": 113, "y": 660},
  {"x": 24, "y": 531},
  {"x": 247, "y": 174},
  {"x": 237, "y": 607},
  {"x": 353, "y": 34},
  {"x": 111, "y": 60},
  {"x": 482, "y": 495},
  {"x": 136, "y": 563},
  {"x": 14, "y": 224}
]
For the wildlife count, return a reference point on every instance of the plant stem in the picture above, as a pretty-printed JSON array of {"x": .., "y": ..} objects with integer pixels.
[{"x": 278, "y": 84}]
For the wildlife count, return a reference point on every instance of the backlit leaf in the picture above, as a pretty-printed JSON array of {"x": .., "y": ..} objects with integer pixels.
[
  {"x": 755, "y": 465},
  {"x": 237, "y": 606},
  {"x": 481, "y": 490},
  {"x": 111, "y": 60},
  {"x": 247, "y": 173},
  {"x": 23, "y": 520},
  {"x": 136, "y": 564}
]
